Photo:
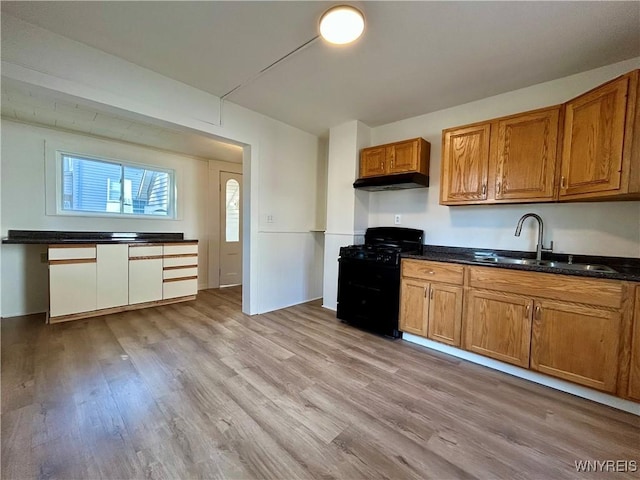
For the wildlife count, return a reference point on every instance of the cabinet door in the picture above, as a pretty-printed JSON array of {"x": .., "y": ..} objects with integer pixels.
[
  {"x": 445, "y": 314},
  {"x": 526, "y": 150},
  {"x": 634, "y": 372},
  {"x": 465, "y": 165},
  {"x": 145, "y": 280},
  {"x": 112, "y": 275},
  {"x": 403, "y": 157},
  {"x": 576, "y": 343},
  {"x": 414, "y": 306},
  {"x": 498, "y": 325},
  {"x": 593, "y": 141},
  {"x": 372, "y": 161},
  {"x": 72, "y": 287}
]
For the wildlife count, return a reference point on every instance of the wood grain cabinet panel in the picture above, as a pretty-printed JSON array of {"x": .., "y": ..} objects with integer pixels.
[
  {"x": 465, "y": 164},
  {"x": 372, "y": 162},
  {"x": 445, "y": 314},
  {"x": 598, "y": 134},
  {"x": 414, "y": 306},
  {"x": 433, "y": 271},
  {"x": 498, "y": 325},
  {"x": 634, "y": 371},
  {"x": 577, "y": 343},
  {"x": 525, "y": 156},
  {"x": 400, "y": 157},
  {"x": 404, "y": 157}
]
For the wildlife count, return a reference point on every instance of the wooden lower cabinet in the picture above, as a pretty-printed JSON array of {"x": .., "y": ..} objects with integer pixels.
[
  {"x": 498, "y": 325},
  {"x": 577, "y": 343},
  {"x": 431, "y": 310},
  {"x": 414, "y": 306},
  {"x": 633, "y": 390},
  {"x": 445, "y": 314}
]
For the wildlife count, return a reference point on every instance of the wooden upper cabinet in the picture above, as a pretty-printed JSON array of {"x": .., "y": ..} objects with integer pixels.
[
  {"x": 578, "y": 343},
  {"x": 403, "y": 157},
  {"x": 587, "y": 148},
  {"x": 525, "y": 156},
  {"x": 372, "y": 162},
  {"x": 594, "y": 157},
  {"x": 399, "y": 157},
  {"x": 465, "y": 164}
]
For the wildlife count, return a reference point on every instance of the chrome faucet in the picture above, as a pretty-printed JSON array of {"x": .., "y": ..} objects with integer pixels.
[{"x": 539, "y": 247}]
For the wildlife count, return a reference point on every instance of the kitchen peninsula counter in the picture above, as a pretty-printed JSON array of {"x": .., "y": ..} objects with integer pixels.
[{"x": 46, "y": 237}]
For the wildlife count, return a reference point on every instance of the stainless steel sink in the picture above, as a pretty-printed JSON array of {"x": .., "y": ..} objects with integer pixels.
[{"x": 543, "y": 263}]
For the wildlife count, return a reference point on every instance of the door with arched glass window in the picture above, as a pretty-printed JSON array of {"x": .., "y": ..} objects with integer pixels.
[{"x": 230, "y": 229}]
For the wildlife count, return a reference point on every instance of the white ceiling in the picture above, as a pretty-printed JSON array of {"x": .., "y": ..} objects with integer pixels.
[{"x": 414, "y": 57}]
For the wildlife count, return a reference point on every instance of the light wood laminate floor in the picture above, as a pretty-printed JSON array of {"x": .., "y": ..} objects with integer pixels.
[{"x": 199, "y": 390}]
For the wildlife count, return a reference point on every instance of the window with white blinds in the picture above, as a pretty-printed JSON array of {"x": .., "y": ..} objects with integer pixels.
[{"x": 97, "y": 186}]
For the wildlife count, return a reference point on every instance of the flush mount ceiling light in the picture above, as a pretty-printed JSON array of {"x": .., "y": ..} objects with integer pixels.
[{"x": 341, "y": 24}]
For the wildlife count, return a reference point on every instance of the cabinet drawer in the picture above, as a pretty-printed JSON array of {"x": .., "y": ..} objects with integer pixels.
[
  {"x": 180, "y": 248},
  {"x": 179, "y": 288},
  {"x": 182, "y": 261},
  {"x": 606, "y": 293},
  {"x": 180, "y": 272},
  {"x": 433, "y": 271},
  {"x": 72, "y": 253},
  {"x": 145, "y": 251}
]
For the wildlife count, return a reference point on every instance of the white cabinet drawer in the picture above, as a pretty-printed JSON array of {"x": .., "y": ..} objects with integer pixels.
[
  {"x": 180, "y": 272},
  {"x": 179, "y": 288},
  {"x": 180, "y": 248},
  {"x": 186, "y": 261},
  {"x": 72, "y": 253},
  {"x": 145, "y": 251}
]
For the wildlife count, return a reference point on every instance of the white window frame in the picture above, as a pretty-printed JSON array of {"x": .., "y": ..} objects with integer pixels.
[{"x": 173, "y": 194}]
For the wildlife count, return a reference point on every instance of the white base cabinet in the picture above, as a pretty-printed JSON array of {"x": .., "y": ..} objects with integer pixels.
[
  {"x": 72, "y": 279},
  {"x": 145, "y": 273},
  {"x": 94, "y": 279},
  {"x": 113, "y": 274}
]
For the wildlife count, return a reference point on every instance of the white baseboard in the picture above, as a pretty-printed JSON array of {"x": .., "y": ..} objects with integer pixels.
[{"x": 530, "y": 375}]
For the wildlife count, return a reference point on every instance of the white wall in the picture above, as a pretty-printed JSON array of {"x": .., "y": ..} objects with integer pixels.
[
  {"x": 277, "y": 156},
  {"x": 610, "y": 228},
  {"x": 347, "y": 209},
  {"x": 25, "y": 151}
]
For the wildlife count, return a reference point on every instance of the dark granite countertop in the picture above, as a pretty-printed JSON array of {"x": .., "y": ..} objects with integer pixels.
[
  {"x": 46, "y": 237},
  {"x": 625, "y": 268}
]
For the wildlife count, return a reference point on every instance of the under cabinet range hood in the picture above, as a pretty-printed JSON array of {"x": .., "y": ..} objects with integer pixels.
[{"x": 398, "y": 181}]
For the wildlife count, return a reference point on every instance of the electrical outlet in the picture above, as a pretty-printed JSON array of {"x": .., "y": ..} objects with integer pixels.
[
  {"x": 397, "y": 219},
  {"x": 269, "y": 218}
]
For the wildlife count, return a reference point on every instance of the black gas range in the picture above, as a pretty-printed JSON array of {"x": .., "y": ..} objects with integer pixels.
[{"x": 369, "y": 278}]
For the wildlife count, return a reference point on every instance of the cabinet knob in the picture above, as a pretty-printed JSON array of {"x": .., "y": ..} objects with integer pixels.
[
  {"x": 538, "y": 311},
  {"x": 499, "y": 187},
  {"x": 484, "y": 190},
  {"x": 563, "y": 182},
  {"x": 431, "y": 293},
  {"x": 527, "y": 311}
]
